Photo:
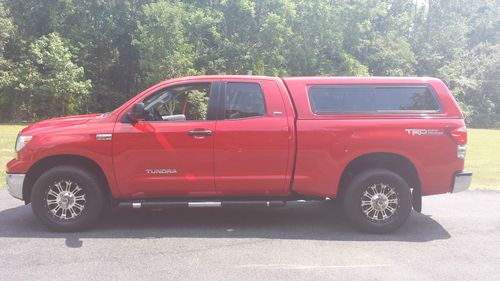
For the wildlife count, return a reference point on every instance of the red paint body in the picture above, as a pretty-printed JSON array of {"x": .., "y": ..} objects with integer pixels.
[{"x": 290, "y": 148}]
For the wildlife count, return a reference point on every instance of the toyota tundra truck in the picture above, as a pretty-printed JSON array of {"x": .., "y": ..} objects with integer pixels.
[{"x": 375, "y": 144}]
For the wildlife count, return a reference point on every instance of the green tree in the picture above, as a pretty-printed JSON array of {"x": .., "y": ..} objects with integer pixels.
[
  {"x": 378, "y": 35},
  {"x": 49, "y": 83},
  {"x": 6, "y": 28},
  {"x": 320, "y": 39},
  {"x": 475, "y": 81},
  {"x": 6, "y": 75},
  {"x": 165, "y": 53},
  {"x": 125, "y": 46},
  {"x": 198, "y": 105},
  {"x": 458, "y": 43}
]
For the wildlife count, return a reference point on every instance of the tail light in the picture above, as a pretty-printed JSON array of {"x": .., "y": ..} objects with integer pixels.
[{"x": 459, "y": 135}]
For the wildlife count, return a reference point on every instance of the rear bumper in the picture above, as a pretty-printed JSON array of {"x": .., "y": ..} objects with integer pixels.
[
  {"x": 15, "y": 185},
  {"x": 462, "y": 182}
]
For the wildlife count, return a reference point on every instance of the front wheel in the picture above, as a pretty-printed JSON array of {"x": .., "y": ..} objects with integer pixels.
[
  {"x": 378, "y": 201},
  {"x": 67, "y": 198}
]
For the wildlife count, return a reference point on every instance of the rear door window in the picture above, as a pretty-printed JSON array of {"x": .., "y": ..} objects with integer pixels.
[
  {"x": 243, "y": 100},
  {"x": 325, "y": 99}
]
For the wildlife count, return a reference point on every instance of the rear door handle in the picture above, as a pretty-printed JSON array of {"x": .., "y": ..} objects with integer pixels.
[{"x": 206, "y": 133}]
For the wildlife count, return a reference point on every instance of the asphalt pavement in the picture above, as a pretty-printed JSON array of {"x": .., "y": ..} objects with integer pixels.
[{"x": 456, "y": 237}]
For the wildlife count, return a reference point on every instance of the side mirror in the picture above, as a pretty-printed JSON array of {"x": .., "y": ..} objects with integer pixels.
[{"x": 137, "y": 113}]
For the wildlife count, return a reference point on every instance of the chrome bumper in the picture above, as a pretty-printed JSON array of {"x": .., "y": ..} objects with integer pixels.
[
  {"x": 15, "y": 185},
  {"x": 462, "y": 182}
]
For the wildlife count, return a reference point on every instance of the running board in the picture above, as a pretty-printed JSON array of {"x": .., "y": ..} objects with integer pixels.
[{"x": 198, "y": 204}]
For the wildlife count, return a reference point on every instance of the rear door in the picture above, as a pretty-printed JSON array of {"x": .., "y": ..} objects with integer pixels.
[{"x": 253, "y": 140}]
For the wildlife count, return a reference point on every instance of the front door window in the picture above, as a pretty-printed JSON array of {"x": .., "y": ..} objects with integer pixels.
[{"x": 179, "y": 103}]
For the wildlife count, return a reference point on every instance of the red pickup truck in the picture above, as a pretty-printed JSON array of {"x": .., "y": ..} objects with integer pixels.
[{"x": 377, "y": 144}]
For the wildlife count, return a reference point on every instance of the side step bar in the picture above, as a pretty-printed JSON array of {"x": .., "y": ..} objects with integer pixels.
[{"x": 198, "y": 204}]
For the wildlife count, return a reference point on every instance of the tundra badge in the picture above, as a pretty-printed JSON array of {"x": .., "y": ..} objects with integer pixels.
[{"x": 161, "y": 171}]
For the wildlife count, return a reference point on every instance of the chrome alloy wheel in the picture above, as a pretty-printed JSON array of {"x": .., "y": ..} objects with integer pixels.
[
  {"x": 65, "y": 199},
  {"x": 380, "y": 202}
]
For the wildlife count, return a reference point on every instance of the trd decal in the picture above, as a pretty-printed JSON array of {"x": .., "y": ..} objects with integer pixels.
[{"x": 424, "y": 132}]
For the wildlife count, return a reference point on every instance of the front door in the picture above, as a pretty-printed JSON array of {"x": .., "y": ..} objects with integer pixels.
[{"x": 170, "y": 152}]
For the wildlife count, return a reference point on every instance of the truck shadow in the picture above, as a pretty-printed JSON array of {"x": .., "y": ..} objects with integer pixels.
[{"x": 308, "y": 221}]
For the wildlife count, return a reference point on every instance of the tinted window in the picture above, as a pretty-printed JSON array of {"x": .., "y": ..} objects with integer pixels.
[
  {"x": 243, "y": 100},
  {"x": 371, "y": 99}
]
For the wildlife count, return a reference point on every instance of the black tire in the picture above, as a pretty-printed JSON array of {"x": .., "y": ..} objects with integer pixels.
[
  {"x": 89, "y": 186},
  {"x": 373, "y": 221}
]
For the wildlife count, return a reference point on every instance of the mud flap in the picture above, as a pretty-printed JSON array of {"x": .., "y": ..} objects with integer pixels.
[{"x": 416, "y": 199}]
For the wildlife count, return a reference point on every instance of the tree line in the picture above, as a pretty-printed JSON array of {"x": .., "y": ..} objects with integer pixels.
[{"x": 61, "y": 57}]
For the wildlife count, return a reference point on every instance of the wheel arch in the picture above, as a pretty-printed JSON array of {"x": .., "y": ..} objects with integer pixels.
[
  {"x": 394, "y": 162},
  {"x": 46, "y": 163}
]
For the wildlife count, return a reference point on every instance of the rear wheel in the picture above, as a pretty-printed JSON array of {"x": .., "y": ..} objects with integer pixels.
[
  {"x": 67, "y": 198},
  {"x": 378, "y": 201}
]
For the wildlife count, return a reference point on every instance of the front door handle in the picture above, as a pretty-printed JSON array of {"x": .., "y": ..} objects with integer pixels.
[{"x": 206, "y": 133}]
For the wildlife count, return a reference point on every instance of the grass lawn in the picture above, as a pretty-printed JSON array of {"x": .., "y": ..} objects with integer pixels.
[
  {"x": 482, "y": 155},
  {"x": 8, "y": 134},
  {"x": 483, "y": 158}
]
